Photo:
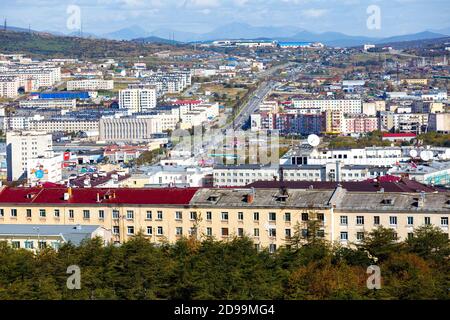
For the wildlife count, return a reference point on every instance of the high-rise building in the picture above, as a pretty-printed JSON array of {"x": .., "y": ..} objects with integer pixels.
[
  {"x": 21, "y": 148},
  {"x": 138, "y": 99}
]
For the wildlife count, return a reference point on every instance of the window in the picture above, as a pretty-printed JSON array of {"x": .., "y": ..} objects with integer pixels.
[
  {"x": 149, "y": 231},
  {"x": 86, "y": 214},
  {"x": 15, "y": 244},
  {"x": 115, "y": 229},
  {"x": 376, "y": 220},
  {"x": 360, "y": 220},
  {"x": 256, "y": 232},
  {"x": 14, "y": 213},
  {"x": 29, "y": 244},
  {"x": 410, "y": 235},
  {"x": 287, "y": 217},
  {"x": 71, "y": 214},
  {"x": 224, "y": 232},
  {"x": 130, "y": 215},
  {"x": 287, "y": 233},
  {"x": 42, "y": 244},
  {"x": 393, "y": 220},
  {"x": 256, "y": 216},
  {"x": 209, "y": 232},
  {"x": 257, "y": 246},
  {"x": 344, "y": 220},
  {"x": 272, "y": 216},
  {"x": 272, "y": 232},
  {"x": 360, "y": 236},
  {"x": 209, "y": 215},
  {"x": 427, "y": 221},
  {"x": 224, "y": 216},
  {"x": 193, "y": 215},
  {"x": 305, "y": 216},
  {"x": 272, "y": 248},
  {"x": 410, "y": 221},
  {"x": 344, "y": 236},
  {"x": 2, "y": 212},
  {"x": 160, "y": 231},
  {"x": 444, "y": 221},
  {"x": 42, "y": 213},
  {"x": 101, "y": 214},
  {"x": 178, "y": 215},
  {"x": 148, "y": 215},
  {"x": 240, "y": 216},
  {"x": 159, "y": 215},
  {"x": 179, "y": 231},
  {"x": 240, "y": 232},
  {"x": 321, "y": 233},
  {"x": 320, "y": 217},
  {"x": 57, "y": 214},
  {"x": 115, "y": 214},
  {"x": 130, "y": 230}
]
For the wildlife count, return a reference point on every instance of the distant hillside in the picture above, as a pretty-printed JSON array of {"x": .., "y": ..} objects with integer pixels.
[
  {"x": 413, "y": 37},
  {"x": 41, "y": 44},
  {"x": 156, "y": 40}
]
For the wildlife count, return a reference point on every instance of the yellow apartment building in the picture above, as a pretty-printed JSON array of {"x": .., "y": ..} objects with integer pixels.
[{"x": 269, "y": 216}]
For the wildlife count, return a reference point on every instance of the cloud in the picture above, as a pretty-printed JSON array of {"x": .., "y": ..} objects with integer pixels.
[{"x": 314, "y": 13}]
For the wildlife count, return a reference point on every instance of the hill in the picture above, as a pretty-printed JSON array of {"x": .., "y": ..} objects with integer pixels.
[{"x": 42, "y": 44}]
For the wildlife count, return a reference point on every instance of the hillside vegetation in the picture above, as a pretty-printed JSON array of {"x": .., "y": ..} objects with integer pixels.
[{"x": 42, "y": 44}]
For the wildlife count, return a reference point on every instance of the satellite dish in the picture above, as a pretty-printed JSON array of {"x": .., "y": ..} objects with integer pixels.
[
  {"x": 425, "y": 156},
  {"x": 313, "y": 140},
  {"x": 413, "y": 153}
]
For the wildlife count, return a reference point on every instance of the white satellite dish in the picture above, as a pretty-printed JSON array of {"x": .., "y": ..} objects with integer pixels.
[
  {"x": 413, "y": 153},
  {"x": 425, "y": 156},
  {"x": 313, "y": 140}
]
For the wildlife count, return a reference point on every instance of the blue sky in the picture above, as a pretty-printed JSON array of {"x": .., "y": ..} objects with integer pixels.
[{"x": 348, "y": 16}]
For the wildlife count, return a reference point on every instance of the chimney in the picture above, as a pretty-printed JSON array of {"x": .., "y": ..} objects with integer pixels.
[
  {"x": 250, "y": 198},
  {"x": 421, "y": 202},
  {"x": 98, "y": 197}
]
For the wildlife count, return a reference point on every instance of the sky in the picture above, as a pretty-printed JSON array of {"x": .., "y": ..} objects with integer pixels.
[{"x": 200, "y": 16}]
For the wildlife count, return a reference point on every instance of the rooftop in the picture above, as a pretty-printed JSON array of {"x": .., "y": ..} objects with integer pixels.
[{"x": 70, "y": 233}]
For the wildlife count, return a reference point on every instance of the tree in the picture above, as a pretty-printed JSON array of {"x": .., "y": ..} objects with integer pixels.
[
  {"x": 429, "y": 242},
  {"x": 380, "y": 243}
]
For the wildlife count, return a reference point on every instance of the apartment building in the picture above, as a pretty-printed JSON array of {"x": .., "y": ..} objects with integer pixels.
[
  {"x": 9, "y": 86},
  {"x": 243, "y": 175},
  {"x": 45, "y": 76},
  {"x": 370, "y": 156},
  {"x": 128, "y": 129},
  {"x": 64, "y": 125},
  {"x": 49, "y": 103},
  {"x": 269, "y": 216},
  {"x": 21, "y": 148},
  {"x": 138, "y": 99},
  {"x": 343, "y": 105},
  {"x": 90, "y": 85}
]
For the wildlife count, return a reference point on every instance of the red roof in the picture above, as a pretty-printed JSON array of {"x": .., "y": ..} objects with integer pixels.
[
  {"x": 399, "y": 135},
  {"x": 167, "y": 196}
]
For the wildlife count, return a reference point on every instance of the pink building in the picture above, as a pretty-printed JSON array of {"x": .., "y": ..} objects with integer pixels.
[{"x": 360, "y": 124}]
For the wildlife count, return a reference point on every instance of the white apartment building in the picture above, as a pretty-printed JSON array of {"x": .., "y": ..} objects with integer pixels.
[
  {"x": 21, "y": 148},
  {"x": 138, "y": 99},
  {"x": 243, "y": 175},
  {"x": 45, "y": 76},
  {"x": 9, "y": 86},
  {"x": 64, "y": 125},
  {"x": 128, "y": 129},
  {"x": 49, "y": 103},
  {"x": 90, "y": 84},
  {"x": 344, "y": 105},
  {"x": 371, "y": 156},
  {"x": 179, "y": 176},
  {"x": 46, "y": 168}
]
